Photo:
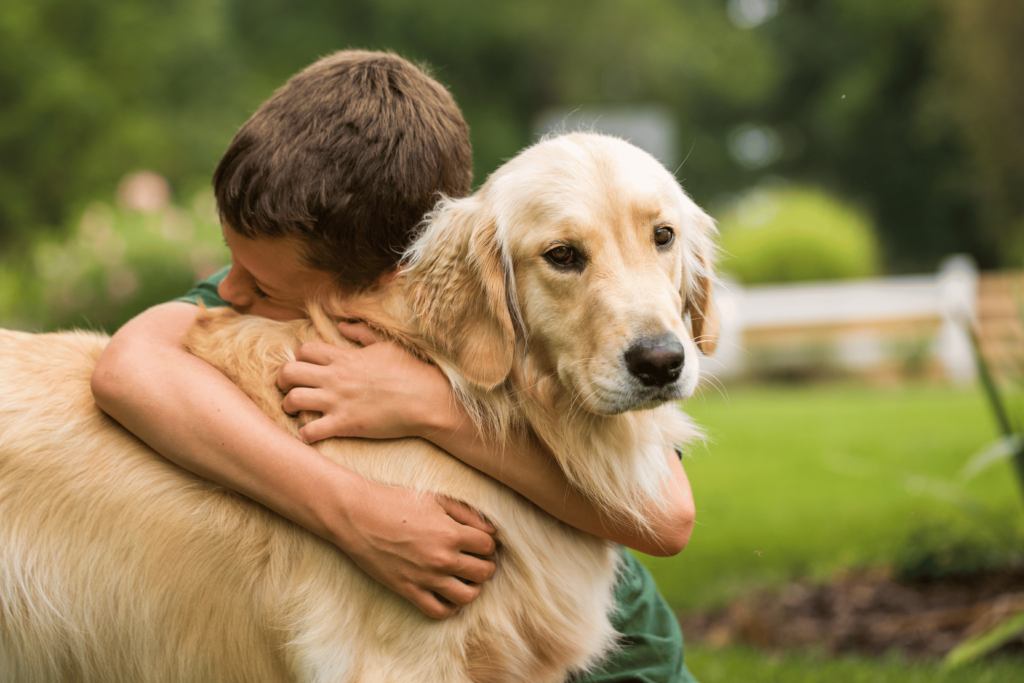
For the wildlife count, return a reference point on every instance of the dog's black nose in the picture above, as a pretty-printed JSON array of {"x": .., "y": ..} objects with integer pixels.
[{"x": 656, "y": 361}]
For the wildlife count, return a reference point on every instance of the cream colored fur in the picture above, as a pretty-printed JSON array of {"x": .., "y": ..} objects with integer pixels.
[{"x": 115, "y": 565}]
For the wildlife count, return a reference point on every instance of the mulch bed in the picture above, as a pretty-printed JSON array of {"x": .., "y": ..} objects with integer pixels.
[{"x": 867, "y": 613}]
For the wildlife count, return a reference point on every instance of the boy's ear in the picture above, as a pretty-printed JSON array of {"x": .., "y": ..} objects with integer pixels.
[
  {"x": 456, "y": 283},
  {"x": 698, "y": 299}
]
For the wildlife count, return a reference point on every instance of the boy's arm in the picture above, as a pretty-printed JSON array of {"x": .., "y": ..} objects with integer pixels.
[
  {"x": 529, "y": 468},
  {"x": 382, "y": 391},
  {"x": 193, "y": 415}
]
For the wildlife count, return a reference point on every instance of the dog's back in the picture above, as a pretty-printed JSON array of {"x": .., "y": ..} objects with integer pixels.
[
  {"x": 117, "y": 565},
  {"x": 114, "y": 563}
]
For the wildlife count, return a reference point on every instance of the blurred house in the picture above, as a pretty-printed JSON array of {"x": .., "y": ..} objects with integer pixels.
[{"x": 884, "y": 329}]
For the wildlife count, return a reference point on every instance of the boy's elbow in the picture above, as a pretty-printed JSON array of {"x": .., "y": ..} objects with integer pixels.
[
  {"x": 109, "y": 381},
  {"x": 140, "y": 355},
  {"x": 675, "y": 532},
  {"x": 682, "y": 531},
  {"x": 103, "y": 384}
]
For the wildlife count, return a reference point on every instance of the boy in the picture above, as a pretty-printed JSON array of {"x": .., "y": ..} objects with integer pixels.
[{"x": 323, "y": 187}]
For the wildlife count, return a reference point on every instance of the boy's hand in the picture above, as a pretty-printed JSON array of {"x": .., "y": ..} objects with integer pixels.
[
  {"x": 380, "y": 391},
  {"x": 423, "y": 547}
]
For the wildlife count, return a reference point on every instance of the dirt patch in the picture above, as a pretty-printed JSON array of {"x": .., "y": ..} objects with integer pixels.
[{"x": 867, "y": 612}]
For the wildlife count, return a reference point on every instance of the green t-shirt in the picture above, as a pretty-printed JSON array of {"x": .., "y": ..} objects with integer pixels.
[
  {"x": 206, "y": 291},
  {"x": 652, "y": 644}
]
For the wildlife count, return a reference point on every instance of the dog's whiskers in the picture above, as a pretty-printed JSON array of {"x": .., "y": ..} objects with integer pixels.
[{"x": 715, "y": 382}]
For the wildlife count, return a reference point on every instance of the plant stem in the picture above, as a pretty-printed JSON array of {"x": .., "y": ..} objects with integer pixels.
[{"x": 998, "y": 405}]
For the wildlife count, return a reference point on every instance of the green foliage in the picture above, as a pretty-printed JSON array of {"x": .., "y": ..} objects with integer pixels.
[
  {"x": 112, "y": 264},
  {"x": 959, "y": 544},
  {"x": 979, "y": 53},
  {"x": 907, "y": 107},
  {"x": 858, "y": 112},
  {"x": 1005, "y": 404},
  {"x": 977, "y": 647},
  {"x": 793, "y": 234},
  {"x": 92, "y": 90}
]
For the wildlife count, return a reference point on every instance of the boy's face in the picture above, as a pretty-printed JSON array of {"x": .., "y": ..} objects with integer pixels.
[{"x": 267, "y": 277}]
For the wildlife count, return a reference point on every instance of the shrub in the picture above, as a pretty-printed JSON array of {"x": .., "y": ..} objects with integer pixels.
[
  {"x": 951, "y": 545},
  {"x": 793, "y": 234},
  {"x": 112, "y": 264}
]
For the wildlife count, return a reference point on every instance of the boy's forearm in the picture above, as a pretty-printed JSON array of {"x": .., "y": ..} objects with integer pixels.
[
  {"x": 527, "y": 467},
  {"x": 383, "y": 391},
  {"x": 153, "y": 388},
  {"x": 422, "y": 547}
]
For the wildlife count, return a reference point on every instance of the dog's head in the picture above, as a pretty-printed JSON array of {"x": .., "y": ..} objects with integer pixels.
[{"x": 583, "y": 255}]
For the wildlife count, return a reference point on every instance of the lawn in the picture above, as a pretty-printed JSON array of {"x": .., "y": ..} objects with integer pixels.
[
  {"x": 802, "y": 481},
  {"x": 742, "y": 665}
]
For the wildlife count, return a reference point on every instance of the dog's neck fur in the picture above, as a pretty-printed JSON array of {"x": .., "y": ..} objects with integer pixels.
[{"x": 617, "y": 460}]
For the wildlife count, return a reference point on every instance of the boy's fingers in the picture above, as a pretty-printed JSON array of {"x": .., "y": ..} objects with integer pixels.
[
  {"x": 475, "y": 569},
  {"x": 457, "y": 592},
  {"x": 357, "y": 332},
  {"x": 317, "y": 353},
  {"x": 477, "y": 542},
  {"x": 317, "y": 430},
  {"x": 298, "y": 374},
  {"x": 304, "y": 398},
  {"x": 433, "y": 605},
  {"x": 463, "y": 514}
]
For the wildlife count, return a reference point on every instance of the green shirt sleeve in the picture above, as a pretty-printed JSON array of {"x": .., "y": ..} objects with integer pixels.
[
  {"x": 206, "y": 291},
  {"x": 652, "y": 644}
]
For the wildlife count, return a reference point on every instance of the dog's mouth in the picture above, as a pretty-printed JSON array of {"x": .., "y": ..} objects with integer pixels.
[
  {"x": 632, "y": 395},
  {"x": 644, "y": 398},
  {"x": 653, "y": 398}
]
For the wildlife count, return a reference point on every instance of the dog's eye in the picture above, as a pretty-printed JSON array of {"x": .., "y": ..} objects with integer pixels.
[
  {"x": 563, "y": 256},
  {"x": 664, "y": 236}
]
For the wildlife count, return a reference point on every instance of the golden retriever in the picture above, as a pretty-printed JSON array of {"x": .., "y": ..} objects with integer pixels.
[{"x": 555, "y": 299}]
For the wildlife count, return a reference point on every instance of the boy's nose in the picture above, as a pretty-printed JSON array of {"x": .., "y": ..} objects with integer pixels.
[{"x": 233, "y": 291}]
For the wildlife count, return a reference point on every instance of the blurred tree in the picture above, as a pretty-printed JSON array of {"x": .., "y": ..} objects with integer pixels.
[
  {"x": 849, "y": 115},
  {"x": 864, "y": 97},
  {"x": 505, "y": 62},
  {"x": 93, "y": 89},
  {"x": 977, "y": 90}
]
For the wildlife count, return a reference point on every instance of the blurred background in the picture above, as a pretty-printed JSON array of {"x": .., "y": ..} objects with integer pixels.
[{"x": 864, "y": 159}]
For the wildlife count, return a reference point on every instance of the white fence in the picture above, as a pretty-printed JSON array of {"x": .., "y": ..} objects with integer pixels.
[{"x": 859, "y": 324}]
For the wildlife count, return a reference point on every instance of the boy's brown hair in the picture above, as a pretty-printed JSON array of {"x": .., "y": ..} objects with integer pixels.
[{"x": 347, "y": 157}]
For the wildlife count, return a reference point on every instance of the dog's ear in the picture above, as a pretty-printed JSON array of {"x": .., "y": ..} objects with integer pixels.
[
  {"x": 699, "y": 302},
  {"x": 456, "y": 282}
]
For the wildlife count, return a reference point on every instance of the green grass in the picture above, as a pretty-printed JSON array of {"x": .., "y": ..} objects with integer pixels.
[
  {"x": 827, "y": 477},
  {"x": 742, "y": 665}
]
